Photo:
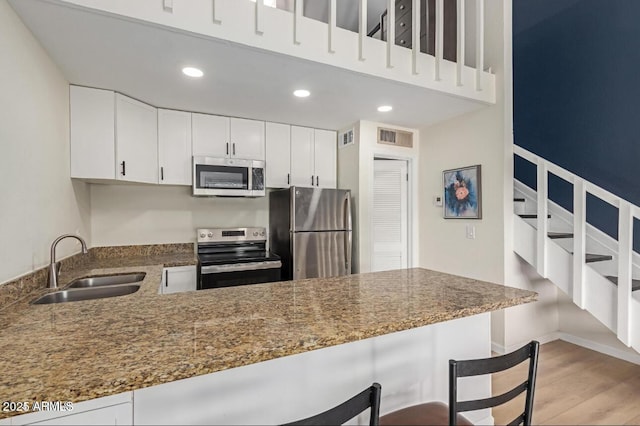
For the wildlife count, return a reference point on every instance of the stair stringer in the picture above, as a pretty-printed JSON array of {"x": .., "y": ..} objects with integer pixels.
[{"x": 600, "y": 293}]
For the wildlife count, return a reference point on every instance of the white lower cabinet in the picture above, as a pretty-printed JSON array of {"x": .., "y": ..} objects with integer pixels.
[
  {"x": 110, "y": 410},
  {"x": 179, "y": 279}
]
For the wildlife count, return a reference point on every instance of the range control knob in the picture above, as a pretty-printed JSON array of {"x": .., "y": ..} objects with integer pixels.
[
  {"x": 262, "y": 233},
  {"x": 210, "y": 234},
  {"x": 202, "y": 235},
  {"x": 255, "y": 234}
]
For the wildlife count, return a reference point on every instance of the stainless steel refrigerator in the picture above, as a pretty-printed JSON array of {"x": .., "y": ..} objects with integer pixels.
[{"x": 310, "y": 229}]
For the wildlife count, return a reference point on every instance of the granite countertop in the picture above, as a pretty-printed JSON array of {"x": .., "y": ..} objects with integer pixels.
[{"x": 84, "y": 350}]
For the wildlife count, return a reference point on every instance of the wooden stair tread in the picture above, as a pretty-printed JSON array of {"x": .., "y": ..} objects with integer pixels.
[
  {"x": 591, "y": 257},
  {"x": 558, "y": 235},
  {"x": 635, "y": 284},
  {"x": 532, "y": 216}
]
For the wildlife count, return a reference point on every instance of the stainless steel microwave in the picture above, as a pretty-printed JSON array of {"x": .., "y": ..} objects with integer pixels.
[{"x": 231, "y": 177}]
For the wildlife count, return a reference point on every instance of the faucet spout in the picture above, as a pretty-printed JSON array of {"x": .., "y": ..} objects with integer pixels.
[{"x": 54, "y": 267}]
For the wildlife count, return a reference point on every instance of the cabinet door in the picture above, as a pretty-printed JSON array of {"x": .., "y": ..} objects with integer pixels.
[
  {"x": 302, "y": 168},
  {"x": 179, "y": 279},
  {"x": 325, "y": 153},
  {"x": 136, "y": 140},
  {"x": 174, "y": 147},
  {"x": 278, "y": 147},
  {"x": 247, "y": 139},
  {"x": 210, "y": 135},
  {"x": 92, "y": 133}
]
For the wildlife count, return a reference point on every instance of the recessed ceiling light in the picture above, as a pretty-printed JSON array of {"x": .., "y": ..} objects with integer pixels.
[
  {"x": 192, "y": 72},
  {"x": 385, "y": 108},
  {"x": 301, "y": 93}
]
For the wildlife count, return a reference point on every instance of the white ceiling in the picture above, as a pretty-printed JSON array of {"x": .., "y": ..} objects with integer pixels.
[{"x": 144, "y": 62}]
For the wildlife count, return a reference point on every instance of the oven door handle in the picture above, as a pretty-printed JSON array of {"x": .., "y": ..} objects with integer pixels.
[{"x": 251, "y": 266}]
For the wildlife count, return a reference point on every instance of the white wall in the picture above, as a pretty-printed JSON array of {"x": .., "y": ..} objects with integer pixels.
[
  {"x": 482, "y": 137},
  {"x": 368, "y": 148},
  {"x": 348, "y": 178},
  {"x": 39, "y": 201},
  {"x": 153, "y": 214}
]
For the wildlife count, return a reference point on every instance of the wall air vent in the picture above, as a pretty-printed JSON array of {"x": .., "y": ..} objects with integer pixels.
[
  {"x": 345, "y": 138},
  {"x": 395, "y": 137}
]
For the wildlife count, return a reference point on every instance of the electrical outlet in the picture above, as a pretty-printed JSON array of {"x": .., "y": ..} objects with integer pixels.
[
  {"x": 471, "y": 232},
  {"x": 437, "y": 200}
]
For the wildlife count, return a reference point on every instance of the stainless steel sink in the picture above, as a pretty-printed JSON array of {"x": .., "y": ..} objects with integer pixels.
[
  {"x": 106, "y": 280},
  {"x": 86, "y": 294}
]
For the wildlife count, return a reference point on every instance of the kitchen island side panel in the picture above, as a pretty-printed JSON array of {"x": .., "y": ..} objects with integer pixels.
[{"x": 411, "y": 366}]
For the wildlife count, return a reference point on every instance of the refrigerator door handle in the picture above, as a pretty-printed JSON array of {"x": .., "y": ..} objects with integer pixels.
[{"x": 347, "y": 234}]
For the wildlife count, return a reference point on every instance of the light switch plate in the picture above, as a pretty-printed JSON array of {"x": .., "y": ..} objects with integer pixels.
[{"x": 471, "y": 232}]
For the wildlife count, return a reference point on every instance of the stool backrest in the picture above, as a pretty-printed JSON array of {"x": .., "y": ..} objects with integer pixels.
[
  {"x": 478, "y": 367},
  {"x": 340, "y": 414}
]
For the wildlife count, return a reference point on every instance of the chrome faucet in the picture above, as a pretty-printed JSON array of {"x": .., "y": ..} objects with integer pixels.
[{"x": 54, "y": 267}]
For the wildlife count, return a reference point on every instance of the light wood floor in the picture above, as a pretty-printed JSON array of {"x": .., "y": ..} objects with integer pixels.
[{"x": 575, "y": 386}]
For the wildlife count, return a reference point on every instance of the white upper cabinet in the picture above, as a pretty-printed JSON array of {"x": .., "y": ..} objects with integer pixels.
[
  {"x": 325, "y": 154},
  {"x": 302, "y": 173},
  {"x": 112, "y": 136},
  {"x": 93, "y": 154},
  {"x": 210, "y": 135},
  {"x": 313, "y": 157},
  {"x": 136, "y": 140},
  {"x": 247, "y": 139},
  {"x": 278, "y": 152},
  {"x": 224, "y": 137},
  {"x": 174, "y": 147}
]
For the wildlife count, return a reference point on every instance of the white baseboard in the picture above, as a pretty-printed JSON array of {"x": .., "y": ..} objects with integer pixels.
[
  {"x": 602, "y": 348},
  {"x": 585, "y": 343},
  {"x": 501, "y": 349}
]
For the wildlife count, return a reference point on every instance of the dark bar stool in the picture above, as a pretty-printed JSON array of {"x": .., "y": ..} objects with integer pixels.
[
  {"x": 438, "y": 413},
  {"x": 368, "y": 398}
]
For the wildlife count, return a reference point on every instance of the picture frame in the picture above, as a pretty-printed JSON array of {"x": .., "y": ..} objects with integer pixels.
[{"x": 462, "y": 192}]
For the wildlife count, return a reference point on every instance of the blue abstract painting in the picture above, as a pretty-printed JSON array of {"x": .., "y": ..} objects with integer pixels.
[{"x": 462, "y": 193}]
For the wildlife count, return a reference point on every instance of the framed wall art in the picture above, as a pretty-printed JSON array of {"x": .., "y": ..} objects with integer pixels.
[{"x": 463, "y": 193}]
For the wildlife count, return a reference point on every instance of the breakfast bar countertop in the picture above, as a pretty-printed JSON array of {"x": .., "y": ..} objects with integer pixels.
[{"x": 84, "y": 350}]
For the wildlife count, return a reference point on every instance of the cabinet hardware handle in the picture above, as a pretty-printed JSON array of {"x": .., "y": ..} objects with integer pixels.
[
  {"x": 311, "y": 180},
  {"x": 124, "y": 170},
  {"x": 288, "y": 179},
  {"x": 402, "y": 7},
  {"x": 402, "y": 24},
  {"x": 234, "y": 148},
  {"x": 317, "y": 181},
  {"x": 161, "y": 173},
  {"x": 227, "y": 148},
  {"x": 166, "y": 278}
]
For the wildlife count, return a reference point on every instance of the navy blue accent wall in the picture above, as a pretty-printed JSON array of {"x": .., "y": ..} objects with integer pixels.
[{"x": 577, "y": 96}]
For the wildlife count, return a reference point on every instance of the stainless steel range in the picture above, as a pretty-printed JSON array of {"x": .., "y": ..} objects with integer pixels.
[{"x": 236, "y": 256}]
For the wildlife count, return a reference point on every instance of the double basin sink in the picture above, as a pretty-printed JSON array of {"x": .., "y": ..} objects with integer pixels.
[{"x": 94, "y": 287}]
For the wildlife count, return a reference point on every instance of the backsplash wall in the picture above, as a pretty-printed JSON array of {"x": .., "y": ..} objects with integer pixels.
[{"x": 150, "y": 214}]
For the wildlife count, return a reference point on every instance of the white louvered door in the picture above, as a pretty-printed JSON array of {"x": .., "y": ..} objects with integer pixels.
[{"x": 389, "y": 218}]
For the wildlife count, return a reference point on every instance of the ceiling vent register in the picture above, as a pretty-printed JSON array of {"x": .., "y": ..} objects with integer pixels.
[{"x": 395, "y": 137}]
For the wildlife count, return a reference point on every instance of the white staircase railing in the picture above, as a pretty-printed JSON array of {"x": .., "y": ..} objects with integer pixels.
[
  {"x": 288, "y": 31},
  {"x": 625, "y": 327}
]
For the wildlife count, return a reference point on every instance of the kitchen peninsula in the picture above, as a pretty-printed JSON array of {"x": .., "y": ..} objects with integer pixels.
[{"x": 174, "y": 358}]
